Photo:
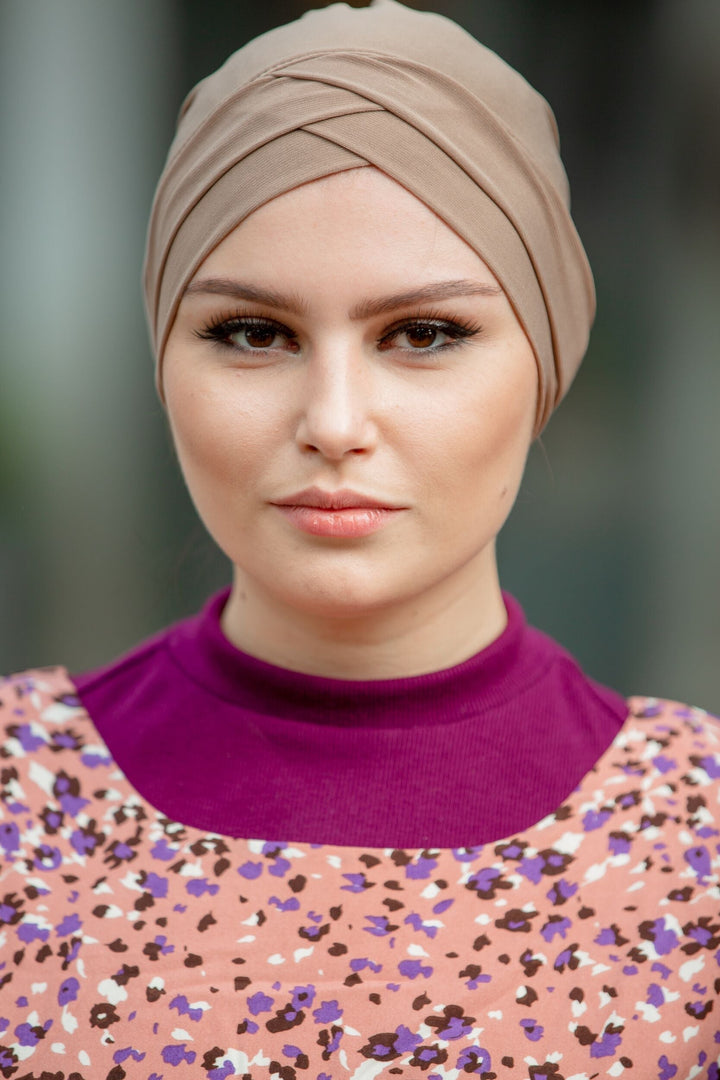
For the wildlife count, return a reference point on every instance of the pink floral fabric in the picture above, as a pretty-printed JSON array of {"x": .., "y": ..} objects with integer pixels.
[{"x": 134, "y": 946}]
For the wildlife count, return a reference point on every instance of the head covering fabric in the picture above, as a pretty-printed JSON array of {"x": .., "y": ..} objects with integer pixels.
[{"x": 414, "y": 95}]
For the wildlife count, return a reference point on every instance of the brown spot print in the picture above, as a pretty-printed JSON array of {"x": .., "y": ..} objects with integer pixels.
[
  {"x": 395, "y": 885},
  {"x": 209, "y": 920},
  {"x": 212, "y": 844},
  {"x": 421, "y": 1002},
  {"x": 369, "y": 861},
  {"x": 568, "y": 958},
  {"x": 285, "y": 1019},
  {"x": 530, "y": 963},
  {"x": 314, "y": 932},
  {"x": 452, "y": 1020},
  {"x": 338, "y": 949},
  {"x": 103, "y": 1015},
  {"x": 704, "y": 934},
  {"x": 516, "y": 921},
  {"x": 42, "y": 954},
  {"x": 284, "y": 1072},
  {"x": 480, "y": 942},
  {"x": 584, "y": 1035},
  {"x": 392, "y": 905},
  {"x": 375, "y": 998},
  {"x": 425, "y": 1056},
  {"x": 297, "y": 883},
  {"x": 213, "y": 1058},
  {"x": 525, "y": 995},
  {"x": 549, "y": 1070},
  {"x": 637, "y": 955},
  {"x": 512, "y": 849},
  {"x": 12, "y": 902},
  {"x": 326, "y": 1037},
  {"x": 508, "y": 1062},
  {"x": 381, "y": 1047},
  {"x": 353, "y": 979},
  {"x": 699, "y": 1009},
  {"x": 117, "y": 945},
  {"x": 618, "y": 938},
  {"x": 125, "y": 974},
  {"x": 151, "y": 949},
  {"x": 242, "y": 982},
  {"x": 586, "y": 913},
  {"x": 335, "y": 913}
]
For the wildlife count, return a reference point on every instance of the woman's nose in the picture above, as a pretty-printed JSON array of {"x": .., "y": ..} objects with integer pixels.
[{"x": 337, "y": 412}]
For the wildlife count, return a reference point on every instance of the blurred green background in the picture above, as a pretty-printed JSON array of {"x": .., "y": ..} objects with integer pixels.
[{"x": 614, "y": 544}]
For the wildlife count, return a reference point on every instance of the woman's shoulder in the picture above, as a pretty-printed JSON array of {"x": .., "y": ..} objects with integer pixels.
[
  {"x": 30, "y": 694},
  {"x": 35, "y": 705}
]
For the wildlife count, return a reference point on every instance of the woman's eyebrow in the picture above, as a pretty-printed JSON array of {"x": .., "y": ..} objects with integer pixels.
[
  {"x": 238, "y": 290},
  {"x": 437, "y": 290}
]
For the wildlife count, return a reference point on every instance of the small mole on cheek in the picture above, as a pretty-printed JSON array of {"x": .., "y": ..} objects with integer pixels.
[{"x": 504, "y": 492}]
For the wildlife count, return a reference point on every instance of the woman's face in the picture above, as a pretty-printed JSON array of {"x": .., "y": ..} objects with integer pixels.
[{"x": 344, "y": 347}]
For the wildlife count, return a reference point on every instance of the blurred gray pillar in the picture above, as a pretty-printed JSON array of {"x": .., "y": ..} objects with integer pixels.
[
  {"x": 87, "y": 92},
  {"x": 682, "y": 417}
]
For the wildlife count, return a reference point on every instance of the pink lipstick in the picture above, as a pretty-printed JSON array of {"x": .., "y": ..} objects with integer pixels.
[{"x": 344, "y": 514}]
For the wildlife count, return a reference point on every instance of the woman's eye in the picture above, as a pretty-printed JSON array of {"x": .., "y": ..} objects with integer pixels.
[
  {"x": 427, "y": 337},
  {"x": 420, "y": 336},
  {"x": 250, "y": 335}
]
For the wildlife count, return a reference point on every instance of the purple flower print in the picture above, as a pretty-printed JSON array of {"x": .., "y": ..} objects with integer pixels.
[
  {"x": 9, "y": 837},
  {"x": 250, "y": 870},
  {"x": 327, "y": 1012},
  {"x": 68, "y": 991},
  {"x": 474, "y": 1059},
  {"x": 698, "y": 858},
  {"x": 607, "y": 1044},
  {"x": 412, "y": 969},
  {"x": 260, "y": 1003},
  {"x": 532, "y": 1030},
  {"x": 177, "y": 1055}
]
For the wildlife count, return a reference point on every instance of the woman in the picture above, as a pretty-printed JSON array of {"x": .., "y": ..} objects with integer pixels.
[{"x": 356, "y": 818}]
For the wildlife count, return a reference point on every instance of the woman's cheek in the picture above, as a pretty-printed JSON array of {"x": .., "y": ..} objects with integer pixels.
[{"x": 217, "y": 434}]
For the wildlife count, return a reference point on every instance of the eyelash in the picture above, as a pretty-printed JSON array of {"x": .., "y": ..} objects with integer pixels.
[{"x": 219, "y": 330}]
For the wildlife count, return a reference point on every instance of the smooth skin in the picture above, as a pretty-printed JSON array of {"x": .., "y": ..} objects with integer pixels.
[{"x": 335, "y": 379}]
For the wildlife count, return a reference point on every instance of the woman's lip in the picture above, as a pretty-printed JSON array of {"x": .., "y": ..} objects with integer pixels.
[
  {"x": 343, "y": 499},
  {"x": 344, "y": 522}
]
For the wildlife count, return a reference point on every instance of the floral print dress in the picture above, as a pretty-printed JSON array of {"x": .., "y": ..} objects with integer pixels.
[{"x": 135, "y": 946}]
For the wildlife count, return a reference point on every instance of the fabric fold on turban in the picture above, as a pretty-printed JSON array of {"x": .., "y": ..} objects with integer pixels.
[{"x": 414, "y": 95}]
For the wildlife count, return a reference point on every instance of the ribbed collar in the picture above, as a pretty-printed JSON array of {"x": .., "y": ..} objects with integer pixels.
[{"x": 516, "y": 659}]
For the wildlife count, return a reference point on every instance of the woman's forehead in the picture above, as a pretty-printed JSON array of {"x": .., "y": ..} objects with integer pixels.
[{"x": 355, "y": 219}]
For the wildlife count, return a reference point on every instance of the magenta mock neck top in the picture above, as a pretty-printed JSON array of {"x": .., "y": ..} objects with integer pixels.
[{"x": 219, "y": 740}]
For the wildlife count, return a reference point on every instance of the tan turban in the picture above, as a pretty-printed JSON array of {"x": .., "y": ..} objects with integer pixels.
[{"x": 414, "y": 95}]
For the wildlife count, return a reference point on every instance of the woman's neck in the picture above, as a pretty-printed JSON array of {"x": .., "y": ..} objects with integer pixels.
[{"x": 436, "y": 630}]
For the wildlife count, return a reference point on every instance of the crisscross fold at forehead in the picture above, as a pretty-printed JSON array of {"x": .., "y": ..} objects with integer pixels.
[{"x": 413, "y": 95}]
